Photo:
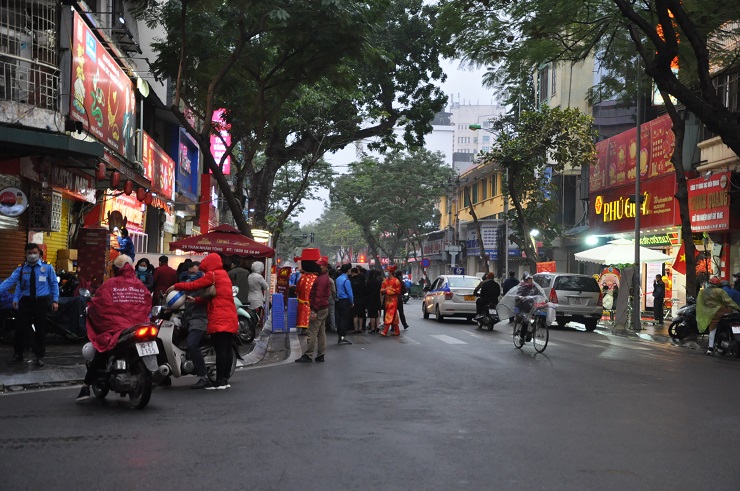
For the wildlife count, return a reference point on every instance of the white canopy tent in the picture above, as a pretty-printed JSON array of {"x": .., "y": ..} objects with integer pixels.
[{"x": 620, "y": 251}]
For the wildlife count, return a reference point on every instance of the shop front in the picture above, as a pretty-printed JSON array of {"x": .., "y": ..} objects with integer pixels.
[{"x": 493, "y": 243}]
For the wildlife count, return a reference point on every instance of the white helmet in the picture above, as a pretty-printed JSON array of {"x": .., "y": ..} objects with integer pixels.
[
  {"x": 88, "y": 351},
  {"x": 175, "y": 299}
]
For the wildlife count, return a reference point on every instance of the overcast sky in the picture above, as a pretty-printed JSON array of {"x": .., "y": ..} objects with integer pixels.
[{"x": 462, "y": 85}]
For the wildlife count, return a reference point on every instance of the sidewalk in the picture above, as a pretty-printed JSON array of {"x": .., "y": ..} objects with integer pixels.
[
  {"x": 66, "y": 366},
  {"x": 653, "y": 332}
]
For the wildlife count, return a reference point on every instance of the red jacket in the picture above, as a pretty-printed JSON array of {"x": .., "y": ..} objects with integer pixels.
[
  {"x": 320, "y": 291},
  {"x": 122, "y": 301},
  {"x": 221, "y": 308},
  {"x": 164, "y": 277}
]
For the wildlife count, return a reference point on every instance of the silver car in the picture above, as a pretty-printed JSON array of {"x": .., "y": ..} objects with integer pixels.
[
  {"x": 450, "y": 296},
  {"x": 578, "y": 296}
]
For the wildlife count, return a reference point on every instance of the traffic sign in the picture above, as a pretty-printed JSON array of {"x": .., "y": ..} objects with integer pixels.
[
  {"x": 458, "y": 270},
  {"x": 426, "y": 262}
]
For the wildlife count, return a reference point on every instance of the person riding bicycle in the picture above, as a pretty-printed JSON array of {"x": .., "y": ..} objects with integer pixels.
[
  {"x": 487, "y": 292},
  {"x": 524, "y": 302}
]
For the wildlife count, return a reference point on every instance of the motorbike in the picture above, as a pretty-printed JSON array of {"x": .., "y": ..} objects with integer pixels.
[
  {"x": 684, "y": 324},
  {"x": 489, "y": 318},
  {"x": 174, "y": 359},
  {"x": 128, "y": 366},
  {"x": 727, "y": 338},
  {"x": 248, "y": 320}
]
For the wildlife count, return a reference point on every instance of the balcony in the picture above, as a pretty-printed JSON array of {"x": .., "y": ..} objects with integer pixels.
[
  {"x": 716, "y": 154},
  {"x": 28, "y": 82}
]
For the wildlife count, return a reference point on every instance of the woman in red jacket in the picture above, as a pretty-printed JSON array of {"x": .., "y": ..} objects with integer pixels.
[{"x": 222, "y": 320}]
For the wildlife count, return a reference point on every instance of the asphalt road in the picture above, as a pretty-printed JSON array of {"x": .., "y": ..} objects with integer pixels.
[{"x": 444, "y": 406}]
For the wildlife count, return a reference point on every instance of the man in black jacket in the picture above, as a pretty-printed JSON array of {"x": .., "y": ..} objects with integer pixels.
[{"x": 487, "y": 292}]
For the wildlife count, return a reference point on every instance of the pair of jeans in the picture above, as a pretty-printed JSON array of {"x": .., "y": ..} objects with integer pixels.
[
  {"x": 193, "y": 342},
  {"x": 31, "y": 311},
  {"x": 224, "y": 354},
  {"x": 344, "y": 316}
]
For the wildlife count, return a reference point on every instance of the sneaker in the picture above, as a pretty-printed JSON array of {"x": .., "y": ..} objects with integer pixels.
[
  {"x": 709, "y": 352},
  {"x": 344, "y": 341},
  {"x": 319, "y": 358},
  {"x": 84, "y": 394},
  {"x": 304, "y": 359},
  {"x": 202, "y": 383},
  {"x": 405, "y": 327}
]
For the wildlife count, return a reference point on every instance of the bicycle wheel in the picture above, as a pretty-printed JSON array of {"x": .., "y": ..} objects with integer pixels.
[
  {"x": 518, "y": 340},
  {"x": 541, "y": 335}
]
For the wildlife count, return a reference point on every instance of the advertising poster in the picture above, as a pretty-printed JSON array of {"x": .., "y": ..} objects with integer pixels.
[
  {"x": 186, "y": 173},
  {"x": 652, "y": 269},
  {"x": 161, "y": 168},
  {"x": 219, "y": 144},
  {"x": 128, "y": 208},
  {"x": 103, "y": 97}
]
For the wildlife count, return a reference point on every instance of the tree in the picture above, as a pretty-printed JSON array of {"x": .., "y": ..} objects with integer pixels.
[
  {"x": 338, "y": 235},
  {"x": 538, "y": 143},
  {"x": 393, "y": 199}
]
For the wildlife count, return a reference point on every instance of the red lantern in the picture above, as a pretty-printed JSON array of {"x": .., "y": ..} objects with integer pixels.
[
  {"x": 115, "y": 179},
  {"x": 128, "y": 187},
  {"x": 100, "y": 173},
  {"x": 148, "y": 198},
  {"x": 140, "y": 194}
]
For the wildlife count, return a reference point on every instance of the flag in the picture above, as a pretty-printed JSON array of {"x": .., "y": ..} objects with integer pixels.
[{"x": 679, "y": 265}]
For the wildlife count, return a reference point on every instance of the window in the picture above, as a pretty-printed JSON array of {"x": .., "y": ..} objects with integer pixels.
[
  {"x": 494, "y": 185},
  {"x": 475, "y": 139},
  {"x": 466, "y": 193},
  {"x": 727, "y": 90},
  {"x": 486, "y": 139},
  {"x": 484, "y": 191},
  {"x": 553, "y": 81},
  {"x": 485, "y": 149},
  {"x": 475, "y": 192},
  {"x": 544, "y": 81}
]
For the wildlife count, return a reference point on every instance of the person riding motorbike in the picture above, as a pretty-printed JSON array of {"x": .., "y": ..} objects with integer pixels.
[
  {"x": 711, "y": 304},
  {"x": 119, "y": 303},
  {"x": 487, "y": 292}
]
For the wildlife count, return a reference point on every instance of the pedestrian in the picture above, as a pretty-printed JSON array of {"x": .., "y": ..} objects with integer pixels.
[
  {"x": 373, "y": 286},
  {"x": 182, "y": 270},
  {"x": 357, "y": 280},
  {"x": 222, "y": 320},
  {"x": 658, "y": 297},
  {"x": 240, "y": 279},
  {"x": 331, "y": 322},
  {"x": 36, "y": 293},
  {"x": 309, "y": 271},
  {"x": 195, "y": 321},
  {"x": 257, "y": 289},
  {"x": 319, "y": 302},
  {"x": 293, "y": 282},
  {"x": 345, "y": 302},
  {"x": 401, "y": 315},
  {"x": 143, "y": 274},
  {"x": 736, "y": 286},
  {"x": 118, "y": 304},
  {"x": 487, "y": 292},
  {"x": 125, "y": 244},
  {"x": 164, "y": 277},
  {"x": 507, "y": 285},
  {"x": 391, "y": 289}
]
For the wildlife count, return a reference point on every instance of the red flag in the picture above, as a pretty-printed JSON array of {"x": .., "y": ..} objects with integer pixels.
[{"x": 679, "y": 265}]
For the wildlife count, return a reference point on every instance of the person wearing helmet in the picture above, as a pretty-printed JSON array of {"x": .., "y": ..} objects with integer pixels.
[
  {"x": 524, "y": 293},
  {"x": 121, "y": 302},
  {"x": 258, "y": 287},
  {"x": 196, "y": 321},
  {"x": 711, "y": 304}
]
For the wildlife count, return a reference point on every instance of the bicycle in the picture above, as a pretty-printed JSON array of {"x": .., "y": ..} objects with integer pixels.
[{"x": 536, "y": 324}]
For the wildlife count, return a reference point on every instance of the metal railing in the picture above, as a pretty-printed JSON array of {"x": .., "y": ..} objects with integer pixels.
[{"x": 28, "y": 82}]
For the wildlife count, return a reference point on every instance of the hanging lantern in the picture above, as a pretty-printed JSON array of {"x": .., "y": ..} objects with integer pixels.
[
  {"x": 128, "y": 187},
  {"x": 148, "y": 198},
  {"x": 140, "y": 194},
  {"x": 100, "y": 172},
  {"x": 115, "y": 179}
]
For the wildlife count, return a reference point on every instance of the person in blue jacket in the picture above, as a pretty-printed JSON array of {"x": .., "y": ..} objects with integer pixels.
[
  {"x": 36, "y": 293},
  {"x": 125, "y": 244},
  {"x": 734, "y": 294}
]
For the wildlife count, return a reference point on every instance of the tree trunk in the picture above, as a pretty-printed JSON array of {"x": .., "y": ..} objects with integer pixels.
[
  {"x": 482, "y": 250},
  {"x": 525, "y": 243}
]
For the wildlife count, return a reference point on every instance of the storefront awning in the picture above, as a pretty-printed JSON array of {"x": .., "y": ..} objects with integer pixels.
[{"x": 19, "y": 142}]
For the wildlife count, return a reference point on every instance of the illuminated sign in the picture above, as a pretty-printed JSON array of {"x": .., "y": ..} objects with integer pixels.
[
  {"x": 620, "y": 208},
  {"x": 159, "y": 168}
]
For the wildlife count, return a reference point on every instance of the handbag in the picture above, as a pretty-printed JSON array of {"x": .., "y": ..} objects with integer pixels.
[{"x": 210, "y": 292}]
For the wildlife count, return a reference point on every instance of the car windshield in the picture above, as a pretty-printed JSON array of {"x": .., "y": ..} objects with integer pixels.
[
  {"x": 543, "y": 281},
  {"x": 462, "y": 282},
  {"x": 577, "y": 283}
]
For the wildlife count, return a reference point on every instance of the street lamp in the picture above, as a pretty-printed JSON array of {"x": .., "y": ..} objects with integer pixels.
[{"x": 476, "y": 127}]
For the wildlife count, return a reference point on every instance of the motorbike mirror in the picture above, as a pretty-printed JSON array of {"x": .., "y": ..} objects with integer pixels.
[
  {"x": 690, "y": 300},
  {"x": 157, "y": 311}
]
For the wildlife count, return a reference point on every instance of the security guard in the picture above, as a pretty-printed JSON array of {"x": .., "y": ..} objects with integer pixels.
[{"x": 37, "y": 292}]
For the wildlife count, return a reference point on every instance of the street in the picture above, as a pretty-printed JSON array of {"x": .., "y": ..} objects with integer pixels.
[{"x": 444, "y": 406}]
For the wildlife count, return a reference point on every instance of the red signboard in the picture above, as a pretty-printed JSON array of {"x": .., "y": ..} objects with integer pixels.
[
  {"x": 103, "y": 97},
  {"x": 709, "y": 202},
  {"x": 221, "y": 141},
  {"x": 617, "y": 156},
  {"x": 611, "y": 211},
  {"x": 159, "y": 168}
]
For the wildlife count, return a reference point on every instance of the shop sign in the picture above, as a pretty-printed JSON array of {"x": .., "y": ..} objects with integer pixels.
[
  {"x": 75, "y": 184},
  {"x": 103, "y": 97},
  {"x": 159, "y": 168},
  {"x": 13, "y": 202},
  {"x": 222, "y": 140},
  {"x": 187, "y": 167},
  {"x": 709, "y": 202},
  {"x": 612, "y": 212},
  {"x": 658, "y": 240},
  {"x": 169, "y": 223},
  {"x": 617, "y": 156},
  {"x": 128, "y": 206}
]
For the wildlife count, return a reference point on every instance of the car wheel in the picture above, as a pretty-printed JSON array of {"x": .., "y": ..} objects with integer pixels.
[
  {"x": 437, "y": 316},
  {"x": 562, "y": 323},
  {"x": 590, "y": 324},
  {"x": 424, "y": 310}
]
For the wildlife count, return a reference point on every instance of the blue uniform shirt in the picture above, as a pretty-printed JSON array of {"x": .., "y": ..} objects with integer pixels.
[
  {"x": 344, "y": 288},
  {"x": 126, "y": 246},
  {"x": 46, "y": 281}
]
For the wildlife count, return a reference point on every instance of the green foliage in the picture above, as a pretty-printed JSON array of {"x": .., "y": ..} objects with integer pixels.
[{"x": 338, "y": 236}]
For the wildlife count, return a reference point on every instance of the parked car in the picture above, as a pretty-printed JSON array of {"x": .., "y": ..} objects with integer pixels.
[
  {"x": 450, "y": 296},
  {"x": 578, "y": 296}
]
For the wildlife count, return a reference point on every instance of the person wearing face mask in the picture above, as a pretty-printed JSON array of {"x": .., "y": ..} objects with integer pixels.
[
  {"x": 144, "y": 274},
  {"x": 36, "y": 293}
]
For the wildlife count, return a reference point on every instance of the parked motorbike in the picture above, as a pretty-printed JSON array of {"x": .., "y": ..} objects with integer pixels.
[
  {"x": 489, "y": 318},
  {"x": 248, "y": 319},
  {"x": 727, "y": 338},
  {"x": 129, "y": 366},
  {"x": 684, "y": 324},
  {"x": 174, "y": 359}
]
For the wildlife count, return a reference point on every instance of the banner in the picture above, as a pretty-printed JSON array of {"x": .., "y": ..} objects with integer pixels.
[
  {"x": 546, "y": 267},
  {"x": 159, "y": 168},
  {"x": 103, "y": 97},
  {"x": 219, "y": 143},
  {"x": 709, "y": 202}
]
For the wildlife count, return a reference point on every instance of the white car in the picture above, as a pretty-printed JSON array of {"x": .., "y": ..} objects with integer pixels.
[{"x": 450, "y": 296}]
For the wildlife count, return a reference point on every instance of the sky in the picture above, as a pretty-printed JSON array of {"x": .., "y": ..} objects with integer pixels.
[{"x": 462, "y": 84}]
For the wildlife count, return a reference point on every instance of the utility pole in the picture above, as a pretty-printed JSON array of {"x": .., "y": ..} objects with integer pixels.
[{"x": 636, "y": 317}]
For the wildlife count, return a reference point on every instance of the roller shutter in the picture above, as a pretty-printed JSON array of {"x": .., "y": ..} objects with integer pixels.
[{"x": 58, "y": 240}]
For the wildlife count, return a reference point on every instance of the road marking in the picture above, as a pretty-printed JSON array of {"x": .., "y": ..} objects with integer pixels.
[
  {"x": 447, "y": 339},
  {"x": 475, "y": 335},
  {"x": 407, "y": 340}
]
